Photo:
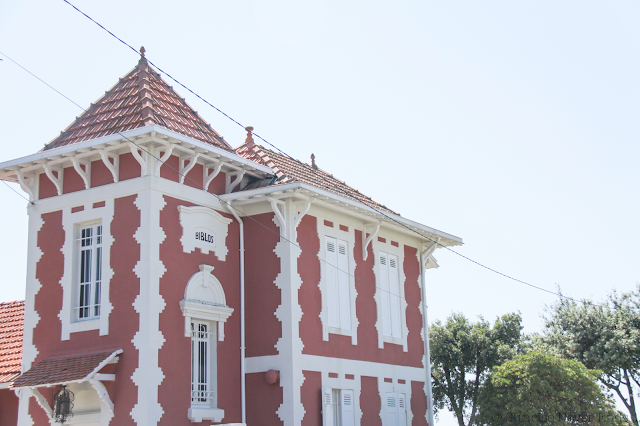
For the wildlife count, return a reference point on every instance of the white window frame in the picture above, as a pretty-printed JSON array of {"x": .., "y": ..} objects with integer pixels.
[
  {"x": 348, "y": 237},
  {"x": 72, "y": 224},
  {"x": 88, "y": 281},
  {"x": 204, "y": 384},
  {"x": 338, "y": 407},
  {"x": 396, "y": 410},
  {"x": 383, "y": 335}
]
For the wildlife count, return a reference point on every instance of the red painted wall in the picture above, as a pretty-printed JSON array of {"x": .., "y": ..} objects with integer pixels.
[
  {"x": 8, "y": 408},
  {"x": 175, "y": 354},
  {"x": 370, "y": 402},
  {"x": 311, "y": 395},
  {"x": 340, "y": 346},
  {"x": 263, "y": 400},
  {"x": 123, "y": 320},
  {"x": 262, "y": 297},
  {"x": 418, "y": 404}
]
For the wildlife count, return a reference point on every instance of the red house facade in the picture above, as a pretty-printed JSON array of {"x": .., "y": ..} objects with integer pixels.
[{"x": 175, "y": 280}]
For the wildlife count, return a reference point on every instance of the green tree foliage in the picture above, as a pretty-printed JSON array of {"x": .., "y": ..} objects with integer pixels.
[
  {"x": 462, "y": 355},
  {"x": 605, "y": 337},
  {"x": 541, "y": 389}
]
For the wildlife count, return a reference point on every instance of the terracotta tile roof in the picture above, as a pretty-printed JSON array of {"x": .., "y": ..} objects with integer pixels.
[
  {"x": 11, "y": 326},
  {"x": 62, "y": 369},
  {"x": 289, "y": 170},
  {"x": 139, "y": 99}
]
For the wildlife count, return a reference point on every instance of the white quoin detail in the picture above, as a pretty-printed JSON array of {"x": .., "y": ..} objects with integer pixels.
[
  {"x": 186, "y": 167},
  {"x": 113, "y": 167},
  {"x": 141, "y": 158},
  {"x": 85, "y": 173},
  {"x": 27, "y": 183},
  {"x": 57, "y": 181},
  {"x": 167, "y": 153},
  {"x": 204, "y": 299},
  {"x": 367, "y": 240},
  {"x": 232, "y": 184},
  {"x": 209, "y": 177}
]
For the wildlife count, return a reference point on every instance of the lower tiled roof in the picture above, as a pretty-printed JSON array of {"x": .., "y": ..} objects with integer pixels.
[
  {"x": 11, "y": 326},
  {"x": 59, "y": 370},
  {"x": 289, "y": 170}
]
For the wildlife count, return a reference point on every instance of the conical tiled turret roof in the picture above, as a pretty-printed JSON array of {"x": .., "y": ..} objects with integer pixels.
[{"x": 139, "y": 99}]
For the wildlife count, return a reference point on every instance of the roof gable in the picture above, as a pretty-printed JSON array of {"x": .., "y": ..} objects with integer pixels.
[{"x": 139, "y": 99}]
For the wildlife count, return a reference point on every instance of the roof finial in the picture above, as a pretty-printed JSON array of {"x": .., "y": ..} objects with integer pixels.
[
  {"x": 142, "y": 50},
  {"x": 313, "y": 162},
  {"x": 249, "y": 140}
]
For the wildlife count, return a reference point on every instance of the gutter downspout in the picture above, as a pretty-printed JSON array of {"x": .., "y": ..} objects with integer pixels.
[
  {"x": 424, "y": 258},
  {"x": 243, "y": 391}
]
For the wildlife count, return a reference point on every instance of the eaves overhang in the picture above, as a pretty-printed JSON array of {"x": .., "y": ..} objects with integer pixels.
[
  {"x": 341, "y": 203},
  {"x": 143, "y": 135}
]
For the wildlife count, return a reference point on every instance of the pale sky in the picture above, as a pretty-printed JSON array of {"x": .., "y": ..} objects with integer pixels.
[{"x": 511, "y": 124}]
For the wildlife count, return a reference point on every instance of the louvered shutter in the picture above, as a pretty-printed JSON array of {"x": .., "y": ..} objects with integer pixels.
[
  {"x": 402, "y": 410},
  {"x": 392, "y": 410},
  {"x": 384, "y": 292},
  {"x": 327, "y": 407},
  {"x": 346, "y": 408},
  {"x": 394, "y": 298},
  {"x": 343, "y": 286},
  {"x": 333, "y": 294}
]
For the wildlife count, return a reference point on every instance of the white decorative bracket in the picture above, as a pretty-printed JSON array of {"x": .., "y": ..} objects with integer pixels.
[
  {"x": 367, "y": 240},
  {"x": 141, "y": 158},
  {"x": 113, "y": 167},
  {"x": 42, "y": 401},
  {"x": 84, "y": 174},
  {"x": 57, "y": 181},
  {"x": 167, "y": 153},
  {"x": 427, "y": 251},
  {"x": 303, "y": 211},
  {"x": 232, "y": 184},
  {"x": 103, "y": 394},
  {"x": 186, "y": 167},
  {"x": 27, "y": 183},
  {"x": 279, "y": 208},
  {"x": 209, "y": 177}
]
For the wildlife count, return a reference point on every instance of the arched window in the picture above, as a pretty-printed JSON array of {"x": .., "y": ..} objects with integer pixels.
[{"x": 205, "y": 311}]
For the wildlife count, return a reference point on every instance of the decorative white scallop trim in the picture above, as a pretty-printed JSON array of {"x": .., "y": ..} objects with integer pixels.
[
  {"x": 288, "y": 215},
  {"x": 31, "y": 316},
  {"x": 349, "y": 237},
  {"x": 149, "y": 304}
]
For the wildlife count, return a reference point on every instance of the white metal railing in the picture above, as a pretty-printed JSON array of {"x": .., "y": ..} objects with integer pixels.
[{"x": 202, "y": 396}]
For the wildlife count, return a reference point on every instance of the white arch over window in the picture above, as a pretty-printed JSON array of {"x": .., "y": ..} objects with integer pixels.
[{"x": 204, "y": 299}]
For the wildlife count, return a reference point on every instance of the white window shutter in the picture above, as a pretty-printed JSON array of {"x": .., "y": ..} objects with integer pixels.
[
  {"x": 383, "y": 260},
  {"x": 333, "y": 295},
  {"x": 343, "y": 286},
  {"x": 395, "y": 298},
  {"x": 346, "y": 408},
  {"x": 402, "y": 410},
  {"x": 392, "y": 409},
  {"x": 327, "y": 407}
]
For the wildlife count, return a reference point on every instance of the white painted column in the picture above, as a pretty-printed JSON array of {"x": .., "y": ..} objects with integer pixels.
[
  {"x": 31, "y": 317},
  {"x": 290, "y": 345},
  {"x": 149, "y": 304}
]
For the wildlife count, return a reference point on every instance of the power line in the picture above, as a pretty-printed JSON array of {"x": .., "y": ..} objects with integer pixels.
[
  {"x": 307, "y": 166},
  {"x": 14, "y": 190},
  {"x": 227, "y": 203}
]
